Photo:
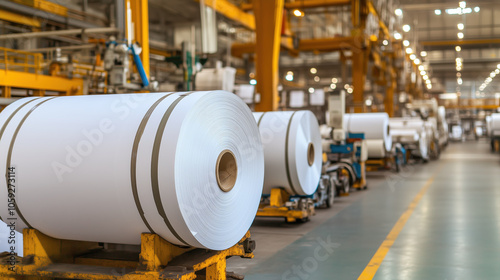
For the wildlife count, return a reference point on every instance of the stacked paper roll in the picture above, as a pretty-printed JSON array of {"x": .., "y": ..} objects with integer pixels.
[
  {"x": 495, "y": 124},
  {"x": 186, "y": 166},
  {"x": 375, "y": 126},
  {"x": 292, "y": 151},
  {"x": 402, "y": 129}
]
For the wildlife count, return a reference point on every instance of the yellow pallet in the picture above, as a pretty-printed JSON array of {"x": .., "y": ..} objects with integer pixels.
[
  {"x": 277, "y": 208},
  {"x": 49, "y": 258}
]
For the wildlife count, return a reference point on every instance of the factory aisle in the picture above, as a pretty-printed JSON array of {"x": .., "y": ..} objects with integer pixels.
[{"x": 451, "y": 208}]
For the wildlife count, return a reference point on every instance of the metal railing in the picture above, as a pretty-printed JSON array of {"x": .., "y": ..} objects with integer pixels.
[{"x": 22, "y": 61}]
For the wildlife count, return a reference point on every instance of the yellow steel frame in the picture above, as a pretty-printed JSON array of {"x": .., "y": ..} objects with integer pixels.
[
  {"x": 305, "y": 4},
  {"x": 48, "y": 258},
  {"x": 45, "y": 6},
  {"x": 268, "y": 22},
  {"x": 40, "y": 83},
  {"x": 17, "y": 18},
  {"x": 277, "y": 208},
  {"x": 233, "y": 12},
  {"x": 460, "y": 42},
  {"x": 140, "y": 18},
  {"x": 21, "y": 70}
]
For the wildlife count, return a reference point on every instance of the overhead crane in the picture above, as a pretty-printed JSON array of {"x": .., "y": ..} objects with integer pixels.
[{"x": 268, "y": 16}]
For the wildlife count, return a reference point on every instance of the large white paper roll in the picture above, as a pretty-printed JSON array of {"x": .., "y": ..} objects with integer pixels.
[
  {"x": 412, "y": 125},
  {"x": 292, "y": 151},
  {"x": 375, "y": 126},
  {"x": 187, "y": 166},
  {"x": 495, "y": 125}
]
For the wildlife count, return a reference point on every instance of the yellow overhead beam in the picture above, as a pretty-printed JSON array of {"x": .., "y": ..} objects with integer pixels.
[
  {"x": 305, "y": 4},
  {"x": 268, "y": 23},
  {"x": 46, "y": 6},
  {"x": 460, "y": 42},
  {"x": 24, "y": 80},
  {"x": 233, "y": 12},
  {"x": 17, "y": 18},
  {"x": 311, "y": 45}
]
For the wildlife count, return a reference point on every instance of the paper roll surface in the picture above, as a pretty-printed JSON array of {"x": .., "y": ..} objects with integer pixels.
[
  {"x": 292, "y": 151},
  {"x": 375, "y": 126},
  {"x": 106, "y": 168},
  {"x": 376, "y": 148}
]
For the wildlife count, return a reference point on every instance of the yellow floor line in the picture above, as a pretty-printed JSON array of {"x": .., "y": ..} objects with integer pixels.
[{"x": 372, "y": 267}]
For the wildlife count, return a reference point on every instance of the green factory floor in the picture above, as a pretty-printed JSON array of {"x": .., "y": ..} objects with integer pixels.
[{"x": 452, "y": 233}]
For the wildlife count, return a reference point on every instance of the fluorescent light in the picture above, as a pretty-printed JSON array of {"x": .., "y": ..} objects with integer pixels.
[
  {"x": 406, "y": 28},
  {"x": 458, "y": 48},
  {"x": 448, "y": 96},
  {"x": 423, "y": 53},
  {"x": 462, "y": 4},
  {"x": 429, "y": 86},
  {"x": 333, "y": 86},
  {"x": 397, "y": 36},
  {"x": 460, "y": 35},
  {"x": 409, "y": 50},
  {"x": 459, "y": 81},
  {"x": 426, "y": 77},
  {"x": 497, "y": 71},
  {"x": 334, "y": 80},
  {"x": 253, "y": 82},
  {"x": 346, "y": 86},
  {"x": 477, "y": 9},
  {"x": 413, "y": 56},
  {"x": 313, "y": 70},
  {"x": 368, "y": 102},
  {"x": 298, "y": 13},
  {"x": 423, "y": 73},
  {"x": 350, "y": 90},
  {"x": 398, "y": 12},
  {"x": 427, "y": 81},
  {"x": 421, "y": 68},
  {"x": 460, "y": 26},
  {"x": 493, "y": 74},
  {"x": 385, "y": 42},
  {"x": 406, "y": 43},
  {"x": 311, "y": 90},
  {"x": 316, "y": 79},
  {"x": 437, "y": 12},
  {"x": 459, "y": 11},
  {"x": 417, "y": 61},
  {"x": 289, "y": 78}
]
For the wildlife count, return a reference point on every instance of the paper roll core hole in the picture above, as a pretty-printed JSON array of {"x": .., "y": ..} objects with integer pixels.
[
  {"x": 226, "y": 170},
  {"x": 310, "y": 154}
]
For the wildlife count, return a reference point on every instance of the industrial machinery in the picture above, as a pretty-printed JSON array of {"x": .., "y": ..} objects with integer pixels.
[
  {"x": 49, "y": 258},
  {"x": 280, "y": 203},
  {"x": 347, "y": 151},
  {"x": 117, "y": 63}
]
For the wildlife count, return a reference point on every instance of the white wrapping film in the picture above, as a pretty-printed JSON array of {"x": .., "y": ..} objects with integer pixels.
[
  {"x": 298, "y": 168},
  {"x": 375, "y": 126},
  {"x": 376, "y": 148},
  {"x": 495, "y": 124},
  {"x": 413, "y": 125},
  {"x": 73, "y": 158}
]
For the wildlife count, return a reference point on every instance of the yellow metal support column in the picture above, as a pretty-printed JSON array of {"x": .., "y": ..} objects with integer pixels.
[
  {"x": 360, "y": 53},
  {"x": 140, "y": 19},
  {"x": 268, "y": 22},
  {"x": 6, "y": 92}
]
